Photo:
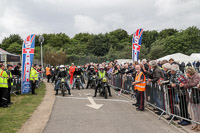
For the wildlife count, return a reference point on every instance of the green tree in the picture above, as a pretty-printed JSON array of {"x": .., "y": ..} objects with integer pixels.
[
  {"x": 7, "y": 41},
  {"x": 15, "y": 48}
]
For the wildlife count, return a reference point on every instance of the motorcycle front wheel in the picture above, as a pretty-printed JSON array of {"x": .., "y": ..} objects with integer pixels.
[{"x": 105, "y": 93}]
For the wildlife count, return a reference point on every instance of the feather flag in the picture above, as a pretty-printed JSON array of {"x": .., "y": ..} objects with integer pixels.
[
  {"x": 137, "y": 41},
  {"x": 27, "y": 59}
]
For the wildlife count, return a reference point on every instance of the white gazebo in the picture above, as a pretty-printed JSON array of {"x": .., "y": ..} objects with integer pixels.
[
  {"x": 178, "y": 57},
  {"x": 196, "y": 56}
]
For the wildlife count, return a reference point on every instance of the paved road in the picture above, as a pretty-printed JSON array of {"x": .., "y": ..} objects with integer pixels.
[{"x": 117, "y": 115}]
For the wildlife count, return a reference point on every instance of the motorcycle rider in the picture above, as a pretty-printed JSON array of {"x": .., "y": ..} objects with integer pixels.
[
  {"x": 77, "y": 72},
  {"x": 62, "y": 74},
  {"x": 91, "y": 72},
  {"x": 100, "y": 75}
]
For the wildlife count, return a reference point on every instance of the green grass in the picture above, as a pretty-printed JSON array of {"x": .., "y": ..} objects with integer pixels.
[{"x": 11, "y": 119}]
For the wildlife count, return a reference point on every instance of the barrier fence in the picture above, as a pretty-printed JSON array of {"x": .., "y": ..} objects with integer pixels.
[
  {"x": 176, "y": 102},
  {"x": 16, "y": 88}
]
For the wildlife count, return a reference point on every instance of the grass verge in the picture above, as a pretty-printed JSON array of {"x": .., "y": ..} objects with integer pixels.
[{"x": 11, "y": 119}]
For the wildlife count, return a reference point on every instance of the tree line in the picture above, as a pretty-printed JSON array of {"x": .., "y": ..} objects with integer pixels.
[{"x": 85, "y": 47}]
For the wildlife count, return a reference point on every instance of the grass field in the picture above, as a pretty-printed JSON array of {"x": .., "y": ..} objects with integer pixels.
[{"x": 11, "y": 119}]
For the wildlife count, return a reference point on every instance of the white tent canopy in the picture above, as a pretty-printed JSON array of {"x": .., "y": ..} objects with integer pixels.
[
  {"x": 196, "y": 56},
  {"x": 178, "y": 57}
]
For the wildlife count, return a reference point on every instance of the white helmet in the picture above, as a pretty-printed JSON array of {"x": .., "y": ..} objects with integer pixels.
[
  {"x": 61, "y": 66},
  {"x": 101, "y": 67}
]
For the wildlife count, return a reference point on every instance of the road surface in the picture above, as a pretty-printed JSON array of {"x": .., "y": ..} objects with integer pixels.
[{"x": 79, "y": 113}]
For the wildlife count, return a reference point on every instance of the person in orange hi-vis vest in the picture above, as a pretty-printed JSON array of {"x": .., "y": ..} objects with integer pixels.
[
  {"x": 139, "y": 86},
  {"x": 71, "y": 73},
  {"x": 48, "y": 73}
]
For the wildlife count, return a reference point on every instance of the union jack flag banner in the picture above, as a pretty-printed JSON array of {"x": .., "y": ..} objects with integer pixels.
[
  {"x": 27, "y": 59},
  {"x": 137, "y": 41}
]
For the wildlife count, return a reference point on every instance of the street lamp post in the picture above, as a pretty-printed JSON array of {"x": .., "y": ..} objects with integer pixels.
[{"x": 41, "y": 40}]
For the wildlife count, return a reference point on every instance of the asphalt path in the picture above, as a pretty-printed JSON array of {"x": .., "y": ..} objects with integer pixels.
[{"x": 81, "y": 113}]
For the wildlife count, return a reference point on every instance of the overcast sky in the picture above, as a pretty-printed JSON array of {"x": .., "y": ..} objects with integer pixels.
[{"x": 25, "y": 17}]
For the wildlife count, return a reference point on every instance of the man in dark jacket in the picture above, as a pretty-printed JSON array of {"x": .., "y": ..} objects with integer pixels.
[
  {"x": 91, "y": 72},
  {"x": 182, "y": 67},
  {"x": 62, "y": 74},
  {"x": 77, "y": 72},
  {"x": 17, "y": 70},
  {"x": 157, "y": 93}
]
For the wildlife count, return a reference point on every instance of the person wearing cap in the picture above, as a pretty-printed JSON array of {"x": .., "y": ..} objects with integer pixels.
[
  {"x": 100, "y": 75},
  {"x": 33, "y": 78},
  {"x": 71, "y": 72},
  {"x": 10, "y": 82},
  {"x": 3, "y": 86},
  {"x": 91, "y": 72},
  {"x": 62, "y": 74}
]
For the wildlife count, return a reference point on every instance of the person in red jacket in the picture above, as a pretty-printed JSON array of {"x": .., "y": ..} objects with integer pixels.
[{"x": 71, "y": 72}]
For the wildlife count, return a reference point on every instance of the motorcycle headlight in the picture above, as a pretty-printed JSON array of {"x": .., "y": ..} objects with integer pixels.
[
  {"x": 78, "y": 76},
  {"x": 62, "y": 80},
  {"x": 104, "y": 79}
]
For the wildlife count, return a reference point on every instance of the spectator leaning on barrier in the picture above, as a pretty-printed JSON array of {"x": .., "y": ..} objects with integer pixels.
[
  {"x": 10, "y": 83},
  {"x": 154, "y": 76},
  {"x": 167, "y": 72},
  {"x": 139, "y": 86},
  {"x": 177, "y": 77},
  {"x": 193, "y": 81},
  {"x": 3, "y": 86}
]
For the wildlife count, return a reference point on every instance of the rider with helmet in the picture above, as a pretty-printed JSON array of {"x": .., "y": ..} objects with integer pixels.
[
  {"x": 91, "y": 72},
  {"x": 100, "y": 75},
  {"x": 78, "y": 71},
  {"x": 62, "y": 74}
]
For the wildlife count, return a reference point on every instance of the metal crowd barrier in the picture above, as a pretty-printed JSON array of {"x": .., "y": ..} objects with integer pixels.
[
  {"x": 176, "y": 102},
  {"x": 16, "y": 88}
]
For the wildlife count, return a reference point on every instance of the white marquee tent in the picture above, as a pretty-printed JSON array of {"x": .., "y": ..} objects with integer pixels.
[
  {"x": 196, "y": 56},
  {"x": 178, "y": 57}
]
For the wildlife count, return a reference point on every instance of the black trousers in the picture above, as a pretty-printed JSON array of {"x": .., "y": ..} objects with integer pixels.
[
  {"x": 183, "y": 107},
  {"x": 33, "y": 87},
  {"x": 48, "y": 78},
  {"x": 140, "y": 100},
  {"x": 3, "y": 96},
  {"x": 89, "y": 82},
  {"x": 171, "y": 96},
  {"x": 9, "y": 99}
]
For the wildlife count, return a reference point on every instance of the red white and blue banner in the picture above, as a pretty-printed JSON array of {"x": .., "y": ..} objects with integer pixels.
[
  {"x": 137, "y": 41},
  {"x": 27, "y": 59}
]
